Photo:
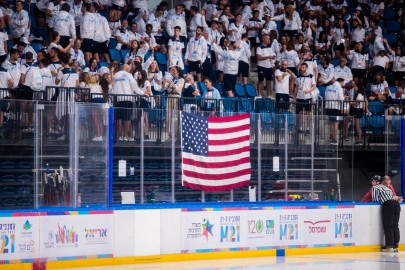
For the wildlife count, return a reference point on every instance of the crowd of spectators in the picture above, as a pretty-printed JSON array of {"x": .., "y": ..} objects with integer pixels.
[{"x": 353, "y": 48}]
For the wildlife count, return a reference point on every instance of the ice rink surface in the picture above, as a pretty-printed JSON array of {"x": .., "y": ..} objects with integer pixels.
[{"x": 355, "y": 261}]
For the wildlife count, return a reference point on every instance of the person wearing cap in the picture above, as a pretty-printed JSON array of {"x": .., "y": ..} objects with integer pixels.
[
  {"x": 268, "y": 24},
  {"x": 23, "y": 46},
  {"x": 334, "y": 105},
  {"x": 19, "y": 21},
  {"x": 343, "y": 71},
  {"x": 391, "y": 211},
  {"x": 375, "y": 180},
  {"x": 64, "y": 24}
]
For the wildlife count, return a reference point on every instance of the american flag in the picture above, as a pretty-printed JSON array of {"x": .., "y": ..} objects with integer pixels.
[{"x": 215, "y": 152}]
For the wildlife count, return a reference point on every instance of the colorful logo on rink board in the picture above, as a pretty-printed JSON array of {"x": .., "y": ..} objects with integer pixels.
[
  {"x": 65, "y": 236},
  {"x": 288, "y": 227},
  {"x": 206, "y": 228},
  {"x": 95, "y": 233},
  {"x": 7, "y": 238},
  {"x": 27, "y": 225},
  {"x": 200, "y": 229},
  {"x": 343, "y": 225},
  {"x": 230, "y": 229},
  {"x": 270, "y": 227}
]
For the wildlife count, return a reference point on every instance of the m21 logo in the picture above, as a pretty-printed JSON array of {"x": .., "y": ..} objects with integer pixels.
[
  {"x": 289, "y": 231},
  {"x": 343, "y": 230},
  {"x": 230, "y": 233}
]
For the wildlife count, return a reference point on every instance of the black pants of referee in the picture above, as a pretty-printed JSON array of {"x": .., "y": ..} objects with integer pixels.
[{"x": 391, "y": 211}]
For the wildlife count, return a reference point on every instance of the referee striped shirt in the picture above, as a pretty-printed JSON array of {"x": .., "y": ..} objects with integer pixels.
[{"x": 381, "y": 193}]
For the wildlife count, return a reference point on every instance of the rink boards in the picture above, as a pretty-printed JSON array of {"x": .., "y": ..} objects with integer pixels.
[{"x": 145, "y": 234}]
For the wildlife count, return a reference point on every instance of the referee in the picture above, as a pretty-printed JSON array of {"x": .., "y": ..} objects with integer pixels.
[{"x": 391, "y": 210}]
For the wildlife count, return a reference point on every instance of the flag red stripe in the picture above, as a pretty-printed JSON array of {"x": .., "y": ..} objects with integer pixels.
[
  {"x": 228, "y": 119},
  {"x": 216, "y": 188},
  {"x": 228, "y": 152},
  {"x": 215, "y": 177},
  {"x": 216, "y": 165},
  {"x": 228, "y": 130},
  {"x": 229, "y": 141}
]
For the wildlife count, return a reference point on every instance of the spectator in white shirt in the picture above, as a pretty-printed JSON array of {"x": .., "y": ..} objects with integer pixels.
[
  {"x": 19, "y": 21},
  {"x": 177, "y": 19},
  {"x": 244, "y": 60},
  {"x": 236, "y": 29},
  {"x": 156, "y": 20},
  {"x": 343, "y": 71},
  {"x": 133, "y": 32},
  {"x": 283, "y": 85},
  {"x": 3, "y": 47},
  {"x": 379, "y": 88},
  {"x": 45, "y": 73},
  {"x": 333, "y": 105},
  {"x": 76, "y": 12},
  {"x": 13, "y": 66},
  {"x": 265, "y": 55},
  {"x": 292, "y": 21},
  {"x": 176, "y": 46},
  {"x": 398, "y": 64},
  {"x": 196, "y": 53},
  {"x": 304, "y": 85},
  {"x": 78, "y": 54},
  {"x": 124, "y": 84},
  {"x": 102, "y": 35},
  {"x": 123, "y": 36},
  {"x": 326, "y": 72},
  {"x": 210, "y": 11},
  {"x": 231, "y": 59},
  {"x": 196, "y": 20},
  {"x": 359, "y": 62},
  {"x": 64, "y": 24},
  {"x": 291, "y": 56},
  {"x": 87, "y": 31},
  {"x": 6, "y": 81}
]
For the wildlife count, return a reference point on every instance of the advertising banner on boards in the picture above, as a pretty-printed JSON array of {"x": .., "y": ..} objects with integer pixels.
[
  {"x": 19, "y": 237},
  {"x": 266, "y": 228},
  {"x": 76, "y": 235}
]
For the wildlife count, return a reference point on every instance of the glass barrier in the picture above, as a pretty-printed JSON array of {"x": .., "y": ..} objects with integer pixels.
[
  {"x": 71, "y": 154},
  {"x": 296, "y": 152}
]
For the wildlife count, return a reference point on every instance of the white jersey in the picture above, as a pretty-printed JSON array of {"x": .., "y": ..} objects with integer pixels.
[
  {"x": 46, "y": 77},
  {"x": 125, "y": 84},
  {"x": 5, "y": 76},
  {"x": 358, "y": 60},
  {"x": 88, "y": 26},
  {"x": 231, "y": 59},
  {"x": 68, "y": 77},
  {"x": 15, "y": 71},
  {"x": 64, "y": 24},
  {"x": 20, "y": 22},
  {"x": 102, "y": 29},
  {"x": 265, "y": 51},
  {"x": 176, "y": 56},
  {"x": 283, "y": 86},
  {"x": 304, "y": 83},
  {"x": 196, "y": 49},
  {"x": 344, "y": 73},
  {"x": 334, "y": 96}
]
